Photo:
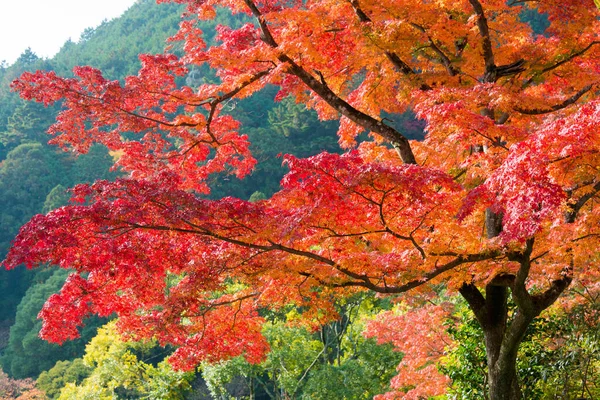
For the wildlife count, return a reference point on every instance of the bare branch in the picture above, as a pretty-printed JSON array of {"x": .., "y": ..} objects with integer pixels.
[
  {"x": 571, "y": 215},
  {"x": 570, "y": 57},
  {"x": 393, "y": 57},
  {"x": 567, "y": 102},
  {"x": 445, "y": 60}
]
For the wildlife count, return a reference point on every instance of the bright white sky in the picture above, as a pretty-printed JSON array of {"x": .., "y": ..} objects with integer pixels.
[{"x": 45, "y": 25}]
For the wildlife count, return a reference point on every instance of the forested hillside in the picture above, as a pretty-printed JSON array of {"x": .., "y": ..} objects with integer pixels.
[
  {"x": 31, "y": 169},
  {"x": 320, "y": 346}
]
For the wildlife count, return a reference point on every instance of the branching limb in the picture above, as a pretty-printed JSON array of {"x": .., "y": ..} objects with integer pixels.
[
  {"x": 492, "y": 71},
  {"x": 399, "y": 141},
  {"x": 359, "y": 280},
  {"x": 214, "y": 103},
  {"x": 460, "y": 260},
  {"x": 495, "y": 142},
  {"x": 363, "y": 281}
]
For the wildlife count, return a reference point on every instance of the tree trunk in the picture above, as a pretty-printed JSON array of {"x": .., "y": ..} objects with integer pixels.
[
  {"x": 502, "y": 337},
  {"x": 504, "y": 388},
  {"x": 502, "y": 370}
]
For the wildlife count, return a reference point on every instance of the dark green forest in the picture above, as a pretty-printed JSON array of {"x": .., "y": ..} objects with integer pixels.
[{"x": 332, "y": 362}]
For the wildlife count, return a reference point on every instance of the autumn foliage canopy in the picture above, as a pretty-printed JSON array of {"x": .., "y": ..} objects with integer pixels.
[{"x": 501, "y": 193}]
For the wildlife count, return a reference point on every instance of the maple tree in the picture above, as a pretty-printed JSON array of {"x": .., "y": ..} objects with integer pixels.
[{"x": 499, "y": 200}]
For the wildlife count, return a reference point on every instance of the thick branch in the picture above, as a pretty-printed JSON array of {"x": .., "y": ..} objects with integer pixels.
[
  {"x": 398, "y": 63},
  {"x": 360, "y": 280},
  {"x": 332, "y": 284},
  {"x": 266, "y": 33},
  {"x": 486, "y": 44},
  {"x": 365, "y": 282},
  {"x": 359, "y": 12},
  {"x": 435, "y": 273},
  {"x": 400, "y": 143},
  {"x": 510, "y": 69},
  {"x": 493, "y": 223},
  {"x": 520, "y": 294},
  {"x": 547, "y": 298},
  {"x": 475, "y": 300},
  {"x": 496, "y": 307},
  {"x": 514, "y": 336},
  {"x": 523, "y": 318}
]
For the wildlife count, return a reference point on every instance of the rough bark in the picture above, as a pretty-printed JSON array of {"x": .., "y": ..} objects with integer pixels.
[{"x": 504, "y": 332}]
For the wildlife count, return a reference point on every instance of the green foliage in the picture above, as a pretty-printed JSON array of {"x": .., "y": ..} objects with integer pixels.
[
  {"x": 366, "y": 373},
  {"x": 57, "y": 197},
  {"x": 573, "y": 370},
  {"x": 275, "y": 129},
  {"x": 467, "y": 365},
  {"x": 294, "y": 352},
  {"x": 336, "y": 362},
  {"x": 63, "y": 372},
  {"x": 289, "y": 118},
  {"x": 27, "y": 175},
  {"x": 28, "y": 57},
  {"x": 27, "y": 123},
  {"x": 93, "y": 165},
  {"x": 29, "y": 172},
  {"x": 257, "y": 196},
  {"x": 231, "y": 379},
  {"x": 118, "y": 371},
  {"x": 27, "y": 355},
  {"x": 33, "y": 179},
  {"x": 306, "y": 134}
]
